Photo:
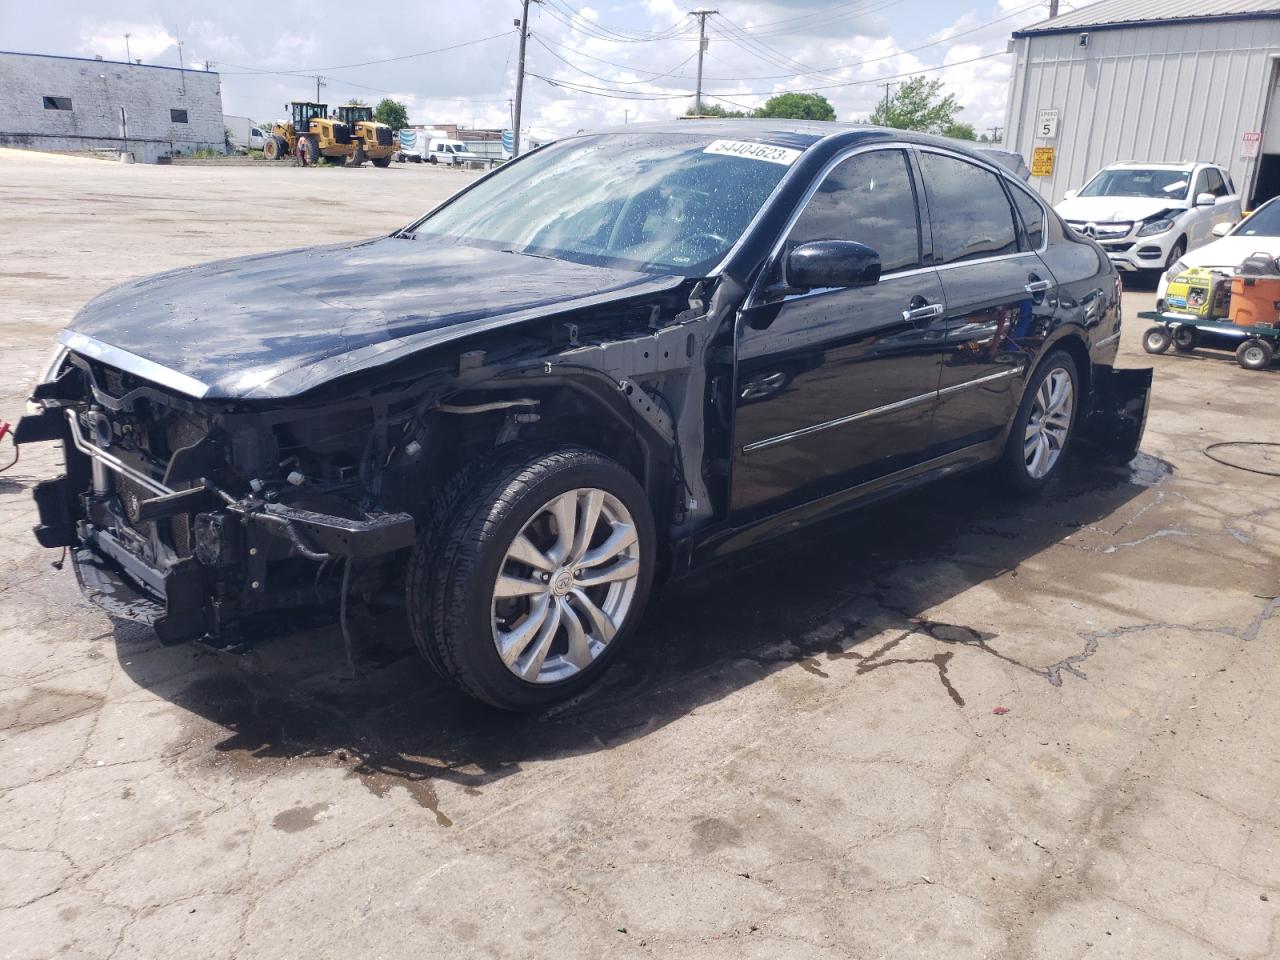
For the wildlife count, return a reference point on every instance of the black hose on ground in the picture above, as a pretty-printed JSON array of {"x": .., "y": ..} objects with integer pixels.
[{"x": 1241, "y": 443}]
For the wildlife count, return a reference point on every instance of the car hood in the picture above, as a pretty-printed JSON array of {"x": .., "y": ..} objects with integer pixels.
[
  {"x": 1113, "y": 209},
  {"x": 275, "y": 325},
  {"x": 1230, "y": 252}
]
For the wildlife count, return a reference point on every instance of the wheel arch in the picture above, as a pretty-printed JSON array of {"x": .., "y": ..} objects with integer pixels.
[{"x": 1071, "y": 340}]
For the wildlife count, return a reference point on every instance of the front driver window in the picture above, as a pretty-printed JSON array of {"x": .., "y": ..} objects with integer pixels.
[{"x": 867, "y": 198}]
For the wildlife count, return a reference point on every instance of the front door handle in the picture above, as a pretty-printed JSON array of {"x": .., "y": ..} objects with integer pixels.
[
  {"x": 1037, "y": 286},
  {"x": 930, "y": 311}
]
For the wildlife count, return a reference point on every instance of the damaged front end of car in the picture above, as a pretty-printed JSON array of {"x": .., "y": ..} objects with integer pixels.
[
  {"x": 212, "y": 514},
  {"x": 202, "y": 517}
]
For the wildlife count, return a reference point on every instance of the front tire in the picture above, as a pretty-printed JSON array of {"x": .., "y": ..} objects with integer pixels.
[
  {"x": 538, "y": 580},
  {"x": 382, "y": 162},
  {"x": 1043, "y": 426}
]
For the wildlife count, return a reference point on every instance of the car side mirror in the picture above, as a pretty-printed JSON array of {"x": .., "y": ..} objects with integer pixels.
[
  {"x": 832, "y": 263},
  {"x": 1205, "y": 199},
  {"x": 1222, "y": 229},
  {"x": 1070, "y": 195}
]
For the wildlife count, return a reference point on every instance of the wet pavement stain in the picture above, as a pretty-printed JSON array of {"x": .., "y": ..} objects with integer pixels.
[
  {"x": 420, "y": 790},
  {"x": 297, "y": 819},
  {"x": 41, "y": 706}
]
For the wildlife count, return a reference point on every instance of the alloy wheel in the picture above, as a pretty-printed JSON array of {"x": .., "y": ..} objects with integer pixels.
[
  {"x": 1049, "y": 424},
  {"x": 565, "y": 586}
]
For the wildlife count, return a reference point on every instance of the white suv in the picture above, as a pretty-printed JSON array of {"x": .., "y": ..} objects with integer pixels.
[{"x": 1147, "y": 215}]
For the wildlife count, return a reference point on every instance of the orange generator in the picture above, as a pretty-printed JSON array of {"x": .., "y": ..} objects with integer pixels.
[
  {"x": 1255, "y": 301},
  {"x": 1255, "y": 293}
]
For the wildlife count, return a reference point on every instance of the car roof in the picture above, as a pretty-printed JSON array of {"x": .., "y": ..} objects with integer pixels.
[
  {"x": 800, "y": 134},
  {"x": 1160, "y": 164}
]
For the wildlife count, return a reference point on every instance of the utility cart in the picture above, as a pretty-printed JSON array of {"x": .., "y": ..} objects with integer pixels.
[{"x": 1255, "y": 346}]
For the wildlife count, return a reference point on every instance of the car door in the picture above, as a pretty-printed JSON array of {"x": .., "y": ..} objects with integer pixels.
[
  {"x": 835, "y": 386},
  {"x": 996, "y": 291},
  {"x": 1226, "y": 207}
]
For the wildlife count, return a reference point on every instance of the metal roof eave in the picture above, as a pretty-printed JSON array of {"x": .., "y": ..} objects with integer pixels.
[{"x": 1135, "y": 24}]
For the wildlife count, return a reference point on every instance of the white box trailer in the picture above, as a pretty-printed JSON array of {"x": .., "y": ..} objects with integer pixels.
[{"x": 245, "y": 134}]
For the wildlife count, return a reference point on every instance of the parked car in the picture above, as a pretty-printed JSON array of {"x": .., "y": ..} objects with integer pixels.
[
  {"x": 450, "y": 152},
  {"x": 525, "y": 407},
  {"x": 1147, "y": 215},
  {"x": 1257, "y": 233}
]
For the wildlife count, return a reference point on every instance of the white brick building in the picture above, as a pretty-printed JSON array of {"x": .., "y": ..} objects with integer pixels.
[{"x": 71, "y": 103}]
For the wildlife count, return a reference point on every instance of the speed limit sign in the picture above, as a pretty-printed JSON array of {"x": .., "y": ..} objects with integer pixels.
[{"x": 1047, "y": 124}]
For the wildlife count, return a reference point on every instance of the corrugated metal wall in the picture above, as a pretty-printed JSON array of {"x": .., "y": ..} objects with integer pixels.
[{"x": 1151, "y": 92}]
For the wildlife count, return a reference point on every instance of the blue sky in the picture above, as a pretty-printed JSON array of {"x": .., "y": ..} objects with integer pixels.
[{"x": 590, "y": 64}]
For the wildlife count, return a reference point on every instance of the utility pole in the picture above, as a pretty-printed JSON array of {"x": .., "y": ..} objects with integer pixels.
[
  {"x": 995, "y": 134},
  {"x": 702, "y": 15},
  {"x": 182, "y": 70},
  {"x": 523, "y": 24},
  {"x": 128, "y": 56},
  {"x": 887, "y": 88},
  {"x": 319, "y": 83},
  {"x": 1053, "y": 9}
]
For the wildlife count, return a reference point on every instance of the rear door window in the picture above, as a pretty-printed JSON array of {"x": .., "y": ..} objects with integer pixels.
[
  {"x": 968, "y": 210},
  {"x": 868, "y": 198},
  {"x": 1032, "y": 217}
]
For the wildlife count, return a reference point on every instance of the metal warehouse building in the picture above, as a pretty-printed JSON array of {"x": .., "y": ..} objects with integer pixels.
[
  {"x": 72, "y": 103},
  {"x": 1149, "y": 80}
]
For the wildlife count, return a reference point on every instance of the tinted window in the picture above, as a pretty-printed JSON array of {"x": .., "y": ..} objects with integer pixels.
[
  {"x": 1032, "y": 217},
  {"x": 57, "y": 103},
  {"x": 867, "y": 198},
  {"x": 968, "y": 210},
  {"x": 1202, "y": 184},
  {"x": 1216, "y": 186},
  {"x": 178, "y": 116}
]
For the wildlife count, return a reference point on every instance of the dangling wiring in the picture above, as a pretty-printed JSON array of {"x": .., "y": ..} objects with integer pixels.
[{"x": 1242, "y": 443}]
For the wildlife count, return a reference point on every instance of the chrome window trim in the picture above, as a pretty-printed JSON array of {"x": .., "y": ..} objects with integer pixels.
[
  {"x": 132, "y": 363},
  {"x": 876, "y": 411}
]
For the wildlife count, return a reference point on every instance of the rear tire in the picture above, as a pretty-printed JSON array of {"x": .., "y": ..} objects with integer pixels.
[
  {"x": 523, "y": 611},
  {"x": 1156, "y": 340},
  {"x": 382, "y": 162},
  {"x": 1043, "y": 426},
  {"x": 1255, "y": 354}
]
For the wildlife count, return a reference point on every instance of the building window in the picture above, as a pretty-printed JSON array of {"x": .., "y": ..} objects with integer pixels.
[
  {"x": 178, "y": 116},
  {"x": 57, "y": 103}
]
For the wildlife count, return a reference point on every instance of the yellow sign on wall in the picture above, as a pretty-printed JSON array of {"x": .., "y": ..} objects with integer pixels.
[{"x": 1042, "y": 161}]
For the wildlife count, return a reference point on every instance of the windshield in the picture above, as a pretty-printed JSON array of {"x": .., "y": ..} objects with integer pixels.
[
  {"x": 668, "y": 203},
  {"x": 1128, "y": 182},
  {"x": 1265, "y": 222}
]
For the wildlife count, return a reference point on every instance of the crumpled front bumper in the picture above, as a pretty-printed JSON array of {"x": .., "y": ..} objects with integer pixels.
[{"x": 228, "y": 574}]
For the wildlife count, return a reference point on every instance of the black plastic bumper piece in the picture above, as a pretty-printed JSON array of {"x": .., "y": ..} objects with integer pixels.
[
  {"x": 53, "y": 505},
  {"x": 170, "y": 602},
  {"x": 1121, "y": 399},
  {"x": 339, "y": 536}
]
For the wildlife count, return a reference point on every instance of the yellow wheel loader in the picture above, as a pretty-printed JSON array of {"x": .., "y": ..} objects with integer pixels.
[
  {"x": 370, "y": 140},
  {"x": 309, "y": 134}
]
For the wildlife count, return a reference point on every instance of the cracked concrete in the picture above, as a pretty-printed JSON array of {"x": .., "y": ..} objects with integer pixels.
[{"x": 798, "y": 758}]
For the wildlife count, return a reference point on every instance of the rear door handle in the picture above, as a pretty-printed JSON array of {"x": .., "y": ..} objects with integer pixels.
[
  {"x": 919, "y": 314},
  {"x": 1038, "y": 286}
]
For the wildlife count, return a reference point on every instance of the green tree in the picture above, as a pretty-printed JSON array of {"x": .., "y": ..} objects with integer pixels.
[
  {"x": 356, "y": 102},
  {"x": 797, "y": 106},
  {"x": 393, "y": 114},
  {"x": 959, "y": 131},
  {"x": 918, "y": 104},
  {"x": 715, "y": 110}
]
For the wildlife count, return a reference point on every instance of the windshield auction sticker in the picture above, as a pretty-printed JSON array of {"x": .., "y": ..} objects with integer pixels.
[{"x": 754, "y": 151}]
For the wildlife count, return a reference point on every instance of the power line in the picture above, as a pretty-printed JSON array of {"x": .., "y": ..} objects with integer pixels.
[{"x": 637, "y": 95}]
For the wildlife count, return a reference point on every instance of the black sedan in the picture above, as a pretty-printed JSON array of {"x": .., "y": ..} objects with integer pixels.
[{"x": 619, "y": 357}]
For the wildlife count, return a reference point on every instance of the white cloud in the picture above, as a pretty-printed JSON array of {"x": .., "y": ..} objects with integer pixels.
[{"x": 842, "y": 47}]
